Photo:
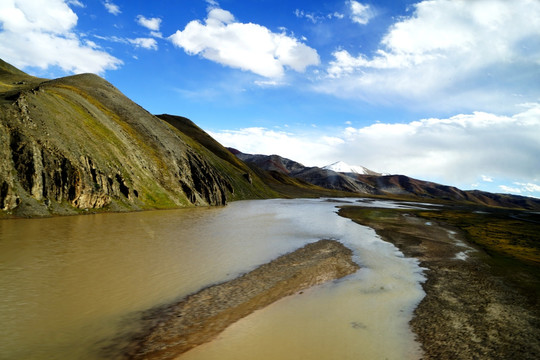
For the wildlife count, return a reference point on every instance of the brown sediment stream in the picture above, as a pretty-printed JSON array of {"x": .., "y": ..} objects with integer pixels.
[{"x": 202, "y": 316}]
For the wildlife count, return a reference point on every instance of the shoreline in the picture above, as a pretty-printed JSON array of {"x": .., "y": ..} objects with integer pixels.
[
  {"x": 200, "y": 317},
  {"x": 468, "y": 312}
]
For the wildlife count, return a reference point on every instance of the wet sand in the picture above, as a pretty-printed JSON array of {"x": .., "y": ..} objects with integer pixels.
[
  {"x": 200, "y": 317},
  {"x": 469, "y": 311}
]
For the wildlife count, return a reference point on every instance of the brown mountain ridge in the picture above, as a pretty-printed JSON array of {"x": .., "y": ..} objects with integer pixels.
[{"x": 384, "y": 185}]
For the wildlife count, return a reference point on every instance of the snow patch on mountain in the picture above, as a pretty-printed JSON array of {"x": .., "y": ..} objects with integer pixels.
[{"x": 343, "y": 167}]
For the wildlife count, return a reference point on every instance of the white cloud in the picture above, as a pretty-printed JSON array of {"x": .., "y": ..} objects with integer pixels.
[
  {"x": 487, "y": 178},
  {"x": 455, "y": 151},
  {"x": 317, "y": 17},
  {"x": 459, "y": 149},
  {"x": 360, "y": 13},
  {"x": 76, "y": 3},
  {"x": 510, "y": 189},
  {"x": 246, "y": 46},
  {"x": 150, "y": 23},
  {"x": 146, "y": 43},
  {"x": 528, "y": 187},
  {"x": 41, "y": 33},
  {"x": 112, "y": 8},
  {"x": 295, "y": 146},
  {"x": 453, "y": 54},
  {"x": 212, "y": 3},
  {"x": 268, "y": 83}
]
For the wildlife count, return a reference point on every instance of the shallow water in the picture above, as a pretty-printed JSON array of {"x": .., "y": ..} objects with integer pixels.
[{"x": 69, "y": 285}]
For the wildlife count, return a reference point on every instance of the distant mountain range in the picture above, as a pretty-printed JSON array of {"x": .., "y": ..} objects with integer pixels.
[
  {"x": 357, "y": 179},
  {"x": 77, "y": 144}
]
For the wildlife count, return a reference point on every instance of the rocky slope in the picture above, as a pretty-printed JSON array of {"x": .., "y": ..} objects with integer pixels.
[
  {"x": 384, "y": 185},
  {"x": 77, "y": 143}
]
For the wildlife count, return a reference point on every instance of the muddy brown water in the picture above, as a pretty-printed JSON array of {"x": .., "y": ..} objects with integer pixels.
[{"x": 69, "y": 286}]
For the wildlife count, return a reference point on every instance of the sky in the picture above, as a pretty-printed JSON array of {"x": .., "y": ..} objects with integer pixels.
[{"x": 440, "y": 90}]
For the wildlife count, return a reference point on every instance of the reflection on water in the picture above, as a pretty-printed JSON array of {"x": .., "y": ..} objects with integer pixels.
[{"x": 68, "y": 284}]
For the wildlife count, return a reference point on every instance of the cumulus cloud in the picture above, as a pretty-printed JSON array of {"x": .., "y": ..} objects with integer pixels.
[
  {"x": 360, "y": 13},
  {"x": 112, "y": 8},
  {"x": 149, "y": 23},
  {"x": 459, "y": 149},
  {"x": 246, "y": 46},
  {"x": 487, "y": 178},
  {"x": 455, "y": 151},
  {"x": 528, "y": 187},
  {"x": 146, "y": 43},
  {"x": 451, "y": 53},
  {"x": 41, "y": 33}
]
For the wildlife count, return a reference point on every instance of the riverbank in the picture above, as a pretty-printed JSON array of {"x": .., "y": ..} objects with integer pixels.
[
  {"x": 200, "y": 317},
  {"x": 472, "y": 309}
]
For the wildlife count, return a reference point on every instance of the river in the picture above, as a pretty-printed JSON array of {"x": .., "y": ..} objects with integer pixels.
[{"x": 71, "y": 285}]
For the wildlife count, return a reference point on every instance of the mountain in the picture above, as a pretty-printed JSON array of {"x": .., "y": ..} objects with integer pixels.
[
  {"x": 325, "y": 178},
  {"x": 402, "y": 185},
  {"x": 374, "y": 184},
  {"x": 343, "y": 167},
  {"x": 76, "y": 143}
]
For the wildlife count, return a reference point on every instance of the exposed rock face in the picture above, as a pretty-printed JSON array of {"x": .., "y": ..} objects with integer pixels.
[
  {"x": 202, "y": 316},
  {"x": 78, "y": 143}
]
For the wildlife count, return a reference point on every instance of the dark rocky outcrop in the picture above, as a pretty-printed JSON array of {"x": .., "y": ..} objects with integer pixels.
[{"x": 202, "y": 316}]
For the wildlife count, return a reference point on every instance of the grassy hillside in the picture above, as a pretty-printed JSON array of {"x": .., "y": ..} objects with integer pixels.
[{"x": 78, "y": 144}]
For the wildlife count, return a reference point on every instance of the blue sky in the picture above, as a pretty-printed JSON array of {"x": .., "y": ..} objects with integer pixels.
[{"x": 447, "y": 91}]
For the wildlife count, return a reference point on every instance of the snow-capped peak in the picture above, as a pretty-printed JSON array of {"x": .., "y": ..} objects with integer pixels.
[{"x": 343, "y": 167}]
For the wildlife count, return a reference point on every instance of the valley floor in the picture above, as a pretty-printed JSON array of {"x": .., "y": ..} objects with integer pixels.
[{"x": 477, "y": 305}]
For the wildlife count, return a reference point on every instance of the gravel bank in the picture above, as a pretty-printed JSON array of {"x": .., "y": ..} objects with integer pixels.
[
  {"x": 468, "y": 312},
  {"x": 202, "y": 316}
]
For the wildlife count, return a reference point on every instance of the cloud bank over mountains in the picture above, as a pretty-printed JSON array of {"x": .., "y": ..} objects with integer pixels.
[{"x": 465, "y": 149}]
